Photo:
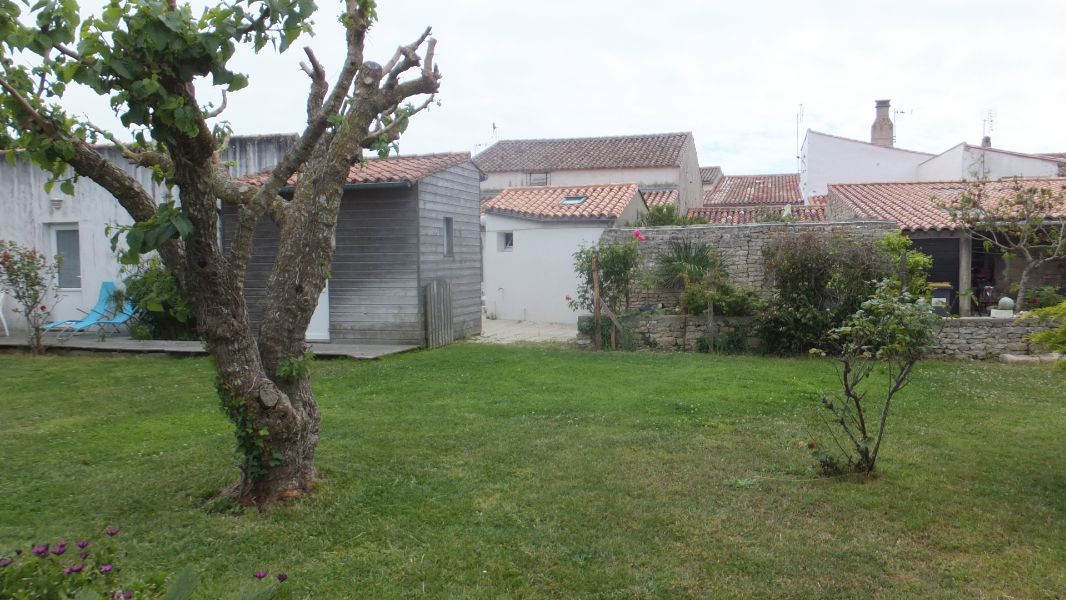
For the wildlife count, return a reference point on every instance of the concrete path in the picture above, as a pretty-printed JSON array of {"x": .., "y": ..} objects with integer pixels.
[
  {"x": 497, "y": 331},
  {"x": 90, "y": 343}
]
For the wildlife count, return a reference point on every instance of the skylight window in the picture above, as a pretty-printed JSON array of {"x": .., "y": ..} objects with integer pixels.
[{"x": 571, "y": 200}]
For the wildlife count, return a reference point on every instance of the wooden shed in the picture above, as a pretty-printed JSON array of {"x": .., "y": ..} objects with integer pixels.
[{"x": 408, "y": 230}]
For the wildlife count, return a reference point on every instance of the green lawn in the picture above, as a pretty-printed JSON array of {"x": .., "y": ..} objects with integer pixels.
[{"x": 480, "y": 471}]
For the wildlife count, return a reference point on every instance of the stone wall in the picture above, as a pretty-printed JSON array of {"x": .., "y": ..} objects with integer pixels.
[
  {"x": 982, "y": 338},
  {"x": 740, "y": 247},
  {"x": 979, "y": 338}
]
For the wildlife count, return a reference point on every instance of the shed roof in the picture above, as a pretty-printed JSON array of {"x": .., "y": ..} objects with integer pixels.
[
  {"x": 628, "y": 151},
  {"x": 393, "y": 169},
  {"x": 600, "y": 201},
  {"x": 915, "y": 205}
]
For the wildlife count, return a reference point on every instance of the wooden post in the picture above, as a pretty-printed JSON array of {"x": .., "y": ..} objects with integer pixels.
[
  {"x": 597, "y": 335},
  {"x": 711, "y": 333}
]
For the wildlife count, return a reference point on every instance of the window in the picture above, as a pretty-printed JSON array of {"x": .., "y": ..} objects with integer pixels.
[
  {"x": 505, "y": 241},
  {"x": 449, "y": 244},
  {"x": 571, "y": 200},
  {"x": 66, "y": 245},
  {"x": 538, "y": 179}
]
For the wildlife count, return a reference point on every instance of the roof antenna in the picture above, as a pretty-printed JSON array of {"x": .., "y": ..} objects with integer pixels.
[
  {"x": 988, "y": 124},
  {"x": 799, "y": 119},
  {"x": 896, "y": 114}
]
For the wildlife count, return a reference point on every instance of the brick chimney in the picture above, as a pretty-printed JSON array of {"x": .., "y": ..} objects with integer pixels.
[{"x": 881, "y": 132}]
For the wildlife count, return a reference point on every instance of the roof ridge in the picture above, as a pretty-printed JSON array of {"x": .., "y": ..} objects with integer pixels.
[
  {"x": 840, "y": 137},
  {"x": 947, "y": 181},
  {"x": 592, "y": 137}
]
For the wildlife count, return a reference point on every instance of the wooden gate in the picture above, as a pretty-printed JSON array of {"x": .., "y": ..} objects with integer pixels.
[{"x": 439, "y": 330}]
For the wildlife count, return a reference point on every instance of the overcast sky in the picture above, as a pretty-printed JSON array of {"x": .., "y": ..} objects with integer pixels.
[{"x": 733, "y": 73}]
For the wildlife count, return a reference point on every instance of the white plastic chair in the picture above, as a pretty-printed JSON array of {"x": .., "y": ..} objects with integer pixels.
[{"x": 3, "y": 321}]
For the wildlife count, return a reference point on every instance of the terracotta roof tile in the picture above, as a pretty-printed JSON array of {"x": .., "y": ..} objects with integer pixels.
[
  {"x": 710, "y": 175},
  {"x": 631, "y": 151},
  {"x": 393, "y": 169},
  {"x": 660, "y": 197},
  {"x": 915, "y": 205},
  {"x": 818, "y": 199},
  {"x": 602, "y": 201},
  {"x": 742, "y": 215},
  {"x": 748, "y": 190}
]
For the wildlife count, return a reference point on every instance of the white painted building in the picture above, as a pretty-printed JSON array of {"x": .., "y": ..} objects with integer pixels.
[
  {"x": 828, "y": 159},
  {"x": 531, "y": 235},
  {"x": 75, "y": 226}
]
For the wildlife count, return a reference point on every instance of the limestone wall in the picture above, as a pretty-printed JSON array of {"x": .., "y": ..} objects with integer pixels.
[
  {"x": 740, "y": 247},
  {"x": 979, "y": 338}
]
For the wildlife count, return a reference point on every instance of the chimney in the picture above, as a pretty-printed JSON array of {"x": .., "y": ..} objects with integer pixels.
[
  {"x": 881, "y": 132},
  {"x": 986, "y": 142}
]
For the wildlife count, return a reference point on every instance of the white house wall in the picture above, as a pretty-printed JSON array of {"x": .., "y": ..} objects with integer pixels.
[
  {"x": 690, "y": 184},
  {"x": 666, "y": 176},
  {"x": 826, "y": 159},
  {"x": 28, "y": 217},
  {"x": 530, "y": 282},
  {"x": 997, "y": 165}
]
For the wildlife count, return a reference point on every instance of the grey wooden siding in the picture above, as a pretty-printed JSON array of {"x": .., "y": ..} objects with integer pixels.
[
  {"x": 454, "y": 193},
  {"x": 264, "y": 249},
  {"x": 374, "y": 295}
]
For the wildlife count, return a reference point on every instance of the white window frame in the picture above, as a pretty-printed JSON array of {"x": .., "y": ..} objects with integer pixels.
[
  {"x": 53, "y": 235},
  {"x": 501, "y": 241}
]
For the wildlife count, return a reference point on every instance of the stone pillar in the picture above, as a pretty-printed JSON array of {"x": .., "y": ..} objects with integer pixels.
[{"x": 965, "y": 271}]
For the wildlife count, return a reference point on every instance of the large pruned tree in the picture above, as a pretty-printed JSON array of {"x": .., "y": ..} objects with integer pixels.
[
  {"x": 1015, "y": 217},
  {"x": 145, "y": 57}
]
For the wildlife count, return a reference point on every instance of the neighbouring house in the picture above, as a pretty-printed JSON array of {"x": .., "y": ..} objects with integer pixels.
[
  {"x": 956, "y": 259},
  {"x": 768, "y": 213},
  {"x": 828, "y": 159},
  {"x": 404, "y": 222},
  {"x": 709, "y": 177},
  {"x": 75, "y": 226},
  {"x": 655, "y": 162},
  {"x": 531, "y": 235}
]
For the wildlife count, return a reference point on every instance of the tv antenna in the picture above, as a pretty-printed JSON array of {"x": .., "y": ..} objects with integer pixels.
[
  {"x": 799, "y": 120},
  {"x": 988, "y": 125},
  {"x": 896, "y": 114}
]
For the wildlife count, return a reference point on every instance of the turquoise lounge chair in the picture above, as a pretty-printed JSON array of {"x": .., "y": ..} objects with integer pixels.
[
  {"x": 91, "y": 319},
  {"x": 121, "y": 318}
]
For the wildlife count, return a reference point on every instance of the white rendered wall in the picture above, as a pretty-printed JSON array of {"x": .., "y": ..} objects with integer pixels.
[
  {"x": 690, "y": 185},
  {"x": 531, "y": 281},
  {"x": 28, "y": 217},
  {"x": 997, "y": 165},
  {"x": 666, "y": 176},
  {"x": 826, "y": 159}
]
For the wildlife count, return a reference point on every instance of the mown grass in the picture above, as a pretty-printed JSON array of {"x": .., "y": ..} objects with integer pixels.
[{"x": 481, "y": 471}]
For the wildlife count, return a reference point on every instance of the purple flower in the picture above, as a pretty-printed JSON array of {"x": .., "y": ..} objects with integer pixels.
[
  {"x": 59, "y": 550},
  {"x": 122, "y": 595},
  {"x": 105, "y": 568},
  {"x": 260, "y": 574},
  {"x": 40, "y": 550},
  {"x": 4, "y": 562},
  {"x": 74, "y": 569},
  {"x": 111, "y": 532},
  {"x": 282, "y": 576},
  {"x": 83, "y": 554},
  {"x": 83, "y": 543}
]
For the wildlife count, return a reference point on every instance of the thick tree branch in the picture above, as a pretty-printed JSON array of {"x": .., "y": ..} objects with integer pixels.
[
  {"x": 217, "y": 110},
  {"x": 317, "y": 95}
]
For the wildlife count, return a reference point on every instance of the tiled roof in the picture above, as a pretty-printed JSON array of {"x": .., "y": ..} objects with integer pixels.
[
  {"x": 710, "y": 175},
  {"x": 748, "y": 190},
  {"x": 660, "y": 197},
  {"x": 818, "y": 199},
  {"x": 915, "y": 205},
  {"x": 602, "y": 201},
  {"x": 393, "y": 169},
  {"x": 631, "y": 151},
  {"x": 741, "y": 215}
]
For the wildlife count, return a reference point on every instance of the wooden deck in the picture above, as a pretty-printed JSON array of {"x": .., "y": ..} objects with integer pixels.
[{"x": 122, "y": 344}]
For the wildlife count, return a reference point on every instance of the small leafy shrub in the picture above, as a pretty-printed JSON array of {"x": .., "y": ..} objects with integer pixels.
[
  {"x": 819, "y": 280},
  {"x": 165, "y": 312},
  {"x": 30, "y": 278},
  {"x": 293, "y": 369},
  {"x": 729, "y": 301},
  {"x": 1043, "y": 297},
  {"x": 1053, "y": 340},
  {"x": 887, "y": 335},
  {"x": 666, "y": 215},
  {"x": 586, "y": 325},
  {"x": 912, "y": 266},
  {"x": 618, "y": 265},
  {"x": 88, "y": 569}
]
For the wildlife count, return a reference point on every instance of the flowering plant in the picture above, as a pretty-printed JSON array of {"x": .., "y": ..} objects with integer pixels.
[
  {"x": 29, "y": 276},
  {"x": 87, "y": 570}
]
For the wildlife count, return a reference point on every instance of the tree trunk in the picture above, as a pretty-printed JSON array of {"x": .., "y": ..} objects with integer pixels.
[{"x": 1023, "y": 283}]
